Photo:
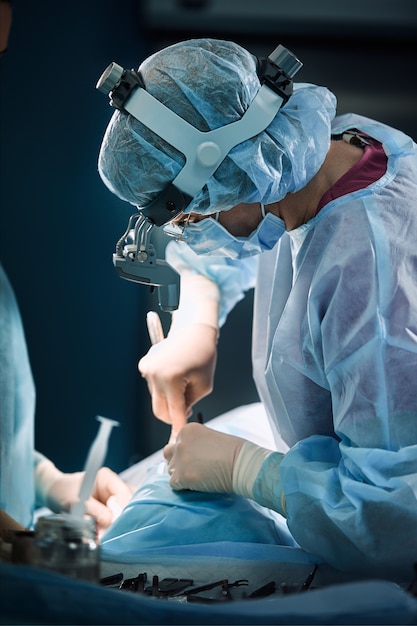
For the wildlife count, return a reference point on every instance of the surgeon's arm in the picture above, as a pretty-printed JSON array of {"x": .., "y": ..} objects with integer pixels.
[{"x": 180, "y": 370}]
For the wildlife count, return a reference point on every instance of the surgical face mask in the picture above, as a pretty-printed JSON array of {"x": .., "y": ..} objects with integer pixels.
[{"x": 208, "y": 236}]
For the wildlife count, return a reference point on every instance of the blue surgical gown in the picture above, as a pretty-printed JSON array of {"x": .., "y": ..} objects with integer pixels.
[
  {"x": 18, "y": 458},
  {"x": 335, "y": 363}
]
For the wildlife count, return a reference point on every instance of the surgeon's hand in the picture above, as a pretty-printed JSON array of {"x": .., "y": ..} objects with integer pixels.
[
  {"x": 58, "y": 490},
  {"x": 203, "y": 459},
  {"x": 180, "y": 371}
]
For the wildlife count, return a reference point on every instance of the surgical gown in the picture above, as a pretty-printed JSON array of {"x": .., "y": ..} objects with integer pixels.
[
  {"x": 335, "y": 364},
  {"x": 18, "y": 458}
]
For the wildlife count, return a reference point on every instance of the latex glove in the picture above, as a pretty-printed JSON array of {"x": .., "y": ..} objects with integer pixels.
[
  {"x": 180, "y": 369},
  {"x": 202, "y": 459},
  {"x": 205, "y": 460},
  {"x": 58, "y": 490}
]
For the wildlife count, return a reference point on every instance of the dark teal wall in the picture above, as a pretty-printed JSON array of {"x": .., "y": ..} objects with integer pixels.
[{"x": 59, "y": 224}]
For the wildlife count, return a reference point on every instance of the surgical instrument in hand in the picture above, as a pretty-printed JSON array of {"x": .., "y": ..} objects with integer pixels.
[
  {"x": 155, "y": 330},
  {"x": 156, "y": 335},
  {"x": 95, "y": 459}
]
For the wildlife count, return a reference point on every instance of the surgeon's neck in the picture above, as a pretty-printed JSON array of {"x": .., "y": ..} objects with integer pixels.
[{"x": 300, "y": 207}]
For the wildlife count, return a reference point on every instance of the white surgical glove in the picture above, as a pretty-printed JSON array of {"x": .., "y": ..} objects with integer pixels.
[
  {"x": 58, "y": 490},
  {"x": 180, "y": 369},
  {"x": 205, "y": 460},
  {"x": 202, "y": 459}
]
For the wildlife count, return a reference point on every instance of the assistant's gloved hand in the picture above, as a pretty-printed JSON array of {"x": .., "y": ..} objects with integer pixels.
[
  {"x": 58, "y": 490},
  {"x": 205, "y": 460},
  {"x": 180, "y": 369}
]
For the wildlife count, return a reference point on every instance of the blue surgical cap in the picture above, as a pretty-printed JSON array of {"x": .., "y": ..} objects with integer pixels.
[{"x": 211, "y": 83}]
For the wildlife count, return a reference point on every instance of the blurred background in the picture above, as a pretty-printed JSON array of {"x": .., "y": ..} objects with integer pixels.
[{"x": 85, "y": 327}]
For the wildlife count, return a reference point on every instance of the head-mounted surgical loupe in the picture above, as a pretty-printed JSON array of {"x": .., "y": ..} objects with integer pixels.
[{"x": 140, "y": 253}]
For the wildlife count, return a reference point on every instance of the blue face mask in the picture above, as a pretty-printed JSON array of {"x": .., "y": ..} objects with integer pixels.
[{"x": 210, "y": 237}]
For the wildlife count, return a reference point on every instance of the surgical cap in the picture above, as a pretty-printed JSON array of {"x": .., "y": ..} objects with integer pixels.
[{"x": 211, "y": 83}]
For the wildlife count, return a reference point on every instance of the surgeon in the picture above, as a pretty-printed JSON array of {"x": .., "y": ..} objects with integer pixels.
[
  {"x": 28, "y": 479},
  {"x": 318, "y": 213}
]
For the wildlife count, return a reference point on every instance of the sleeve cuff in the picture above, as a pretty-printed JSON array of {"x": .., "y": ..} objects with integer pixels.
[
  {"x": 199, "y": 302},
  {"x": 46, "y": 474},
  {"x": 247, "y": 467},
  {"x": 267, "y": 489}
]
